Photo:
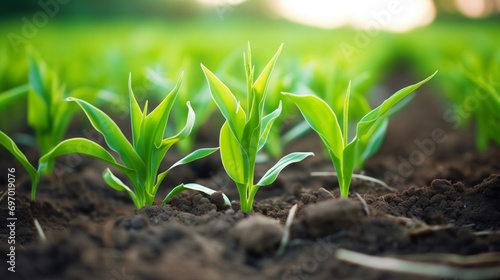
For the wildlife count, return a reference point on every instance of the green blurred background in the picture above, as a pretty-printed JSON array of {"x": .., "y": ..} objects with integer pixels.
[{"x": 326, "y": 43}]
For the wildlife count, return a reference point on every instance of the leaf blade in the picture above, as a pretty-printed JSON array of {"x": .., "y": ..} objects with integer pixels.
[
  {"x": 232, "y": 155},
  {"x": 200, "y": 153},
  {"x": 273, "y": 173},
  {"x": 118, "y": 185},
  {"x": 369, "y": 119},
  {"x": 112, "y": 135},
  {"x": 322, "y": 119},
  {"x": 227, "y": 103},
  {"x": 11, "y": 146},
  {"x": 195, "y": 187},
  {"x": 267, "y": 123}
]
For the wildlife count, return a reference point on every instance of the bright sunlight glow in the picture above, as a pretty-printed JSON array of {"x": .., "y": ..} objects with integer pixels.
[
  {"x": 220, "y": 2},
  {"x": 391, "y": 15},
  {"x": 473, "y": 9}
]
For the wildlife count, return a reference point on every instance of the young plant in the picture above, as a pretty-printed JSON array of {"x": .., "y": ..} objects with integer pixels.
[
  {"x": 48, "y": 113},
  {"x": 7, "y": 98},
  {"x": 245, "y": 131},
  {"x": 323, "y": 120},
  {"x": 141, "y": 159},
  {"x": 14, "y": 150}
]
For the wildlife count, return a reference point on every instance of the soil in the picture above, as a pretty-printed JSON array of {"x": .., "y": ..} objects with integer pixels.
[{"x": 445, "y": 198}]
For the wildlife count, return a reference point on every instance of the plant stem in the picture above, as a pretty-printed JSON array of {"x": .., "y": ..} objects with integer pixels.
[{"x": 242, "y": 190}]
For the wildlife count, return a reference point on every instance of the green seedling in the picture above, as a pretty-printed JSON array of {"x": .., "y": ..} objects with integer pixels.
[
  {"x": 485, "y": 94},
  {"x": 142, "y": 158},
  {"x": 245, "y": 131},
  {"x": 323, "y": 120},
  {"x": 14, "y": 150},
  {"x": 48, "y": 114},
  {"x": 7, "y": 98}
]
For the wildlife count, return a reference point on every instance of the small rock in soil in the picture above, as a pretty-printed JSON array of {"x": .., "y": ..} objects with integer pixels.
[
  {"x": 258, "y": 234},
  {"x": 332, "y": 216}
]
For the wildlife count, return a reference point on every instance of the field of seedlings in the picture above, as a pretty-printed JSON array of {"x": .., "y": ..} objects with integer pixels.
[{"x": 224, "y": 142}]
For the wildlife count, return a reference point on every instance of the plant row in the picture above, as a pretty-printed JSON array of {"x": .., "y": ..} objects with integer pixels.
[{"x": 250, "y": 110}]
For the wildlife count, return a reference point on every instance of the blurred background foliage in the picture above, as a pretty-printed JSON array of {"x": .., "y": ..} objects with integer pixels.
[{"x": 326, "y": 43}]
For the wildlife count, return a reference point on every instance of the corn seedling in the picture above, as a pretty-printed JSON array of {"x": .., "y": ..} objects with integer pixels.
[
  {"x": 485, "y": 94},
  {"x": 11, "y": 146},
  {"x": 7, "y": 98},
  {"x": 245, "y": 131},
  {"x": 141, "y": 159},
  {"x": 323, "y": 120},
  {"x": 197, "y": 93},
  {"x": 48, "y": 113}
]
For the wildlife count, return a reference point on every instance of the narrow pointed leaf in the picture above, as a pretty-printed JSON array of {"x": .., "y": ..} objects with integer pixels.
[
  {"x": 369, "y": 119},
  {"x": 82, "y": 146},
  {"x": 346, "y": 113},
  {"x": 348, "y": 162},
  {"x": 200, "y": 153},
  {"x": 135, "y": 112},
  {"x": 112, "y": 134},
  {"x": 273, "y": 173},
  {"x": 234, "y": 159},
  {"x": 14, "y": 150},
  {"x": 227, "y": 103},
  {"x": 184, "y": 132},
  {"x": 194, "y": 187},
  {"x": 39, "y": 96},
  {"x": 156, "y": 121},
  {"x": 118, "y": 185},
  {"x": 261, "y": 83},
  {"x": 267, "y": 123},
  {"x": 322, "y": 119}
]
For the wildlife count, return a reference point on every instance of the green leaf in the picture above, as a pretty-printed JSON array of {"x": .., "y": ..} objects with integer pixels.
[
  {"x": 273, "y": 173},
  {"x": 227, "y": 103},
  {"x": 183, "y": 133},
  {"x": 195, "y": 187},
  {"x": 369, "y": 119},
  {"x": 267, "y": 123},
  {"x": 14, "y": 150},
  {"x": 234, "y": 159},
  {"x": 348, "y": 162},
  {"x": 135, "y": 113},
  {"x": 200, "y": 153},
  {"x": 156, "y": 121},
  {"x": 322, "y": 119},
  {"x": 118, "y": 185},
  {"x": 112, "y": 134},
  {"x": 12, "y": 95},
  {"x": 83, "y": 146},
  {"x": 261, "y": 83},
  {"x": 372, "y": 140},
  {"x": 39, "y": 96},
  {"x": 346, "y": 112}
]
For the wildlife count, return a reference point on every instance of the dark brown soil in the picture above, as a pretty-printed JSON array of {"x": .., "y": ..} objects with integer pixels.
[{"x": 440, "y": 201}]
